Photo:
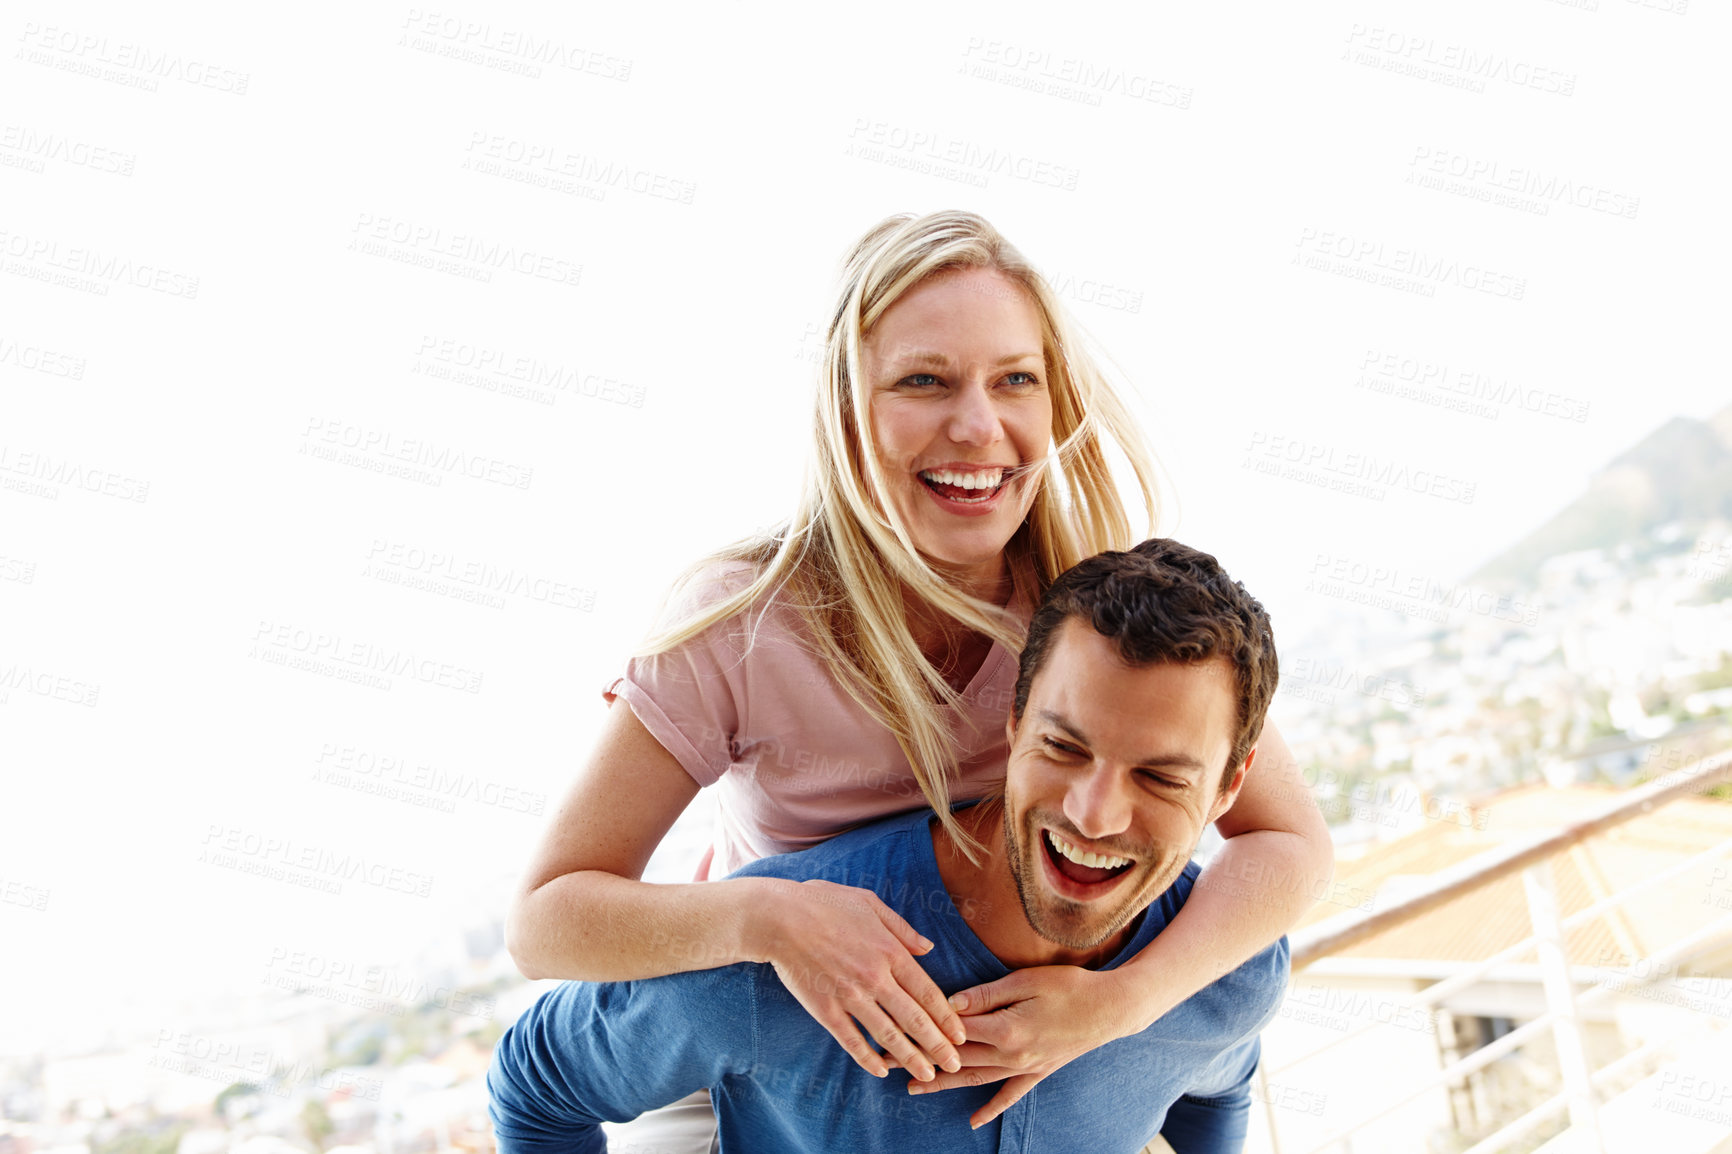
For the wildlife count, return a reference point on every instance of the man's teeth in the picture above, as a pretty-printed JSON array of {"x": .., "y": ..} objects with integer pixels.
[
  {"x": 1083, "y": 857},
  {"x": 988, "y": 479}
]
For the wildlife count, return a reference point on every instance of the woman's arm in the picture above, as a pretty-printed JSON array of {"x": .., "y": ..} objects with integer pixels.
[
  {"x": 581, "y": 913},
  {"x": 1276, "y": 861},
  {"x": 1275, "y": 864}
]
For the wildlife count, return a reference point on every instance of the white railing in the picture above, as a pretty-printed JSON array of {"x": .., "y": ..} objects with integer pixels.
[{"x": 1564, "y": 1003}]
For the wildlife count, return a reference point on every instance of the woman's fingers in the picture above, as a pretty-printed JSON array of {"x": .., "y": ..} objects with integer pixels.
[
  {"x": 837, "y": 999},
  {"x": 1000, "y": 1032},
  {"x": 974, "y": 1057},
  {"x": 991, "y": 996},
  {"x": 935, "y": 1014},
  {"x": 910, "y": 1005},
  {"x": 844, "y": 954},
  {"x": 895, "y": 1042},
  {"x": 973, "y": 1076},
  {"x": 898, "y": 925},
  {"x": 848, "y": 1036},
  {"x": 1008, "y": 1095}
]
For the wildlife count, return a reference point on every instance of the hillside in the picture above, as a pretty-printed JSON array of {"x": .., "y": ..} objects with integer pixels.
[{"x": 1682, "y": 471}]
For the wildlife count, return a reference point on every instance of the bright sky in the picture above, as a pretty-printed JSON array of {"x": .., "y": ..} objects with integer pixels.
[{"x": 1217, "y": 193}]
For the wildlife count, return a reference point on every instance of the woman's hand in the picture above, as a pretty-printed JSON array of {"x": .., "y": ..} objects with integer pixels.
[
  {"x": 843, "y": 953},
  {"x": 1026, "y": 1025}
]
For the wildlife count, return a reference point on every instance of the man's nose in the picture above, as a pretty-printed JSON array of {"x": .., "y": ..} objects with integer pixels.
[{"x": 1097, "y": 803}]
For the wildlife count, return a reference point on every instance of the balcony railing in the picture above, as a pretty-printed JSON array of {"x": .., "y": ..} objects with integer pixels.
[{"x": 1580, "y": 1098}]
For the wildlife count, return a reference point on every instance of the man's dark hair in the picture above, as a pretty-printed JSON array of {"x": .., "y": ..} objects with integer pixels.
[{"x": 1164, "y": 602}]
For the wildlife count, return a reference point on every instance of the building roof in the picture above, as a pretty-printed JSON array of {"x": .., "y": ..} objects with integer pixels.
[{"x": 1480, "y": 924}]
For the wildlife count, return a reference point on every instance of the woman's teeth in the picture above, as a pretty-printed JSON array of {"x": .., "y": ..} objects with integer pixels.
[
  {"x": 1083, "y": 857},
  {"x": 985, "y": 479}
]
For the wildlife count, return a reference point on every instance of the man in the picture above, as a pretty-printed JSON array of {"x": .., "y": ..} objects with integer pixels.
[{"x": 1141, "y": 693}]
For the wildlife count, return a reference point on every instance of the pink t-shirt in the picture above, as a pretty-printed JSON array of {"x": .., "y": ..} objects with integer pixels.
[{"x": 794, "y": 758}]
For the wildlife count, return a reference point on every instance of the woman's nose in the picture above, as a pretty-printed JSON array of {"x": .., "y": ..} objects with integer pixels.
[{"x": 974, "y": 419}]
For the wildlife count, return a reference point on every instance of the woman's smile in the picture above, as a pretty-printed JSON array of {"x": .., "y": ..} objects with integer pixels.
[{"x": 967, "y": 491}]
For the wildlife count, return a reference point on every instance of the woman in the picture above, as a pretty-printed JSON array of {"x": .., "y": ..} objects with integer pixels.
[{"x": 862, "y": 657}]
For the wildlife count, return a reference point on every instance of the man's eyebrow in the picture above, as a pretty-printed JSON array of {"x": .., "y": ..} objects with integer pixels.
[
  {"x": 1173, "y": 760},
  {"x": 927, "y": 357}
]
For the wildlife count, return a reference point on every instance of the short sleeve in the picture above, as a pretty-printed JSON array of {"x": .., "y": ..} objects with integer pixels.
[{"x": 689, "y": 697}]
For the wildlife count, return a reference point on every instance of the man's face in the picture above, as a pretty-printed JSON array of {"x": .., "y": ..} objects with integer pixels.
[{"x": 1117, "y": 766}]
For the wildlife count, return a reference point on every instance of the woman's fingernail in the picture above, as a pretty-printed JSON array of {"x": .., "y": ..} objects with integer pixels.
[{"x": 958, "y": 1002}]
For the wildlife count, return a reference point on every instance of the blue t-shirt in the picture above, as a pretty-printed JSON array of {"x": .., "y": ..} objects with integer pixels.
[{"x": 588, "y": 1052}]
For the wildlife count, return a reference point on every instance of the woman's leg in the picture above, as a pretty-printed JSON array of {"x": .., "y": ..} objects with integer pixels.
[{"x": 684, "y": 1127}]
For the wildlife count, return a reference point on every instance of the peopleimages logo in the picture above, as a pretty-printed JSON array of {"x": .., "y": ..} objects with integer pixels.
[
  {"x": 369, "y": 987},
  {"x": 16, "y": 893},
  {"x": 227, "y": 1060},
  {"x": 1530, "y": 188},
  {"x": 34, "y": 149},
  {"x": 554, "y": 161},
  {"x": 1373, "y": 260},
  {"x": 1355, "y": 473},
  {"x": 1067, "y": 77},
  {"x": 1424, "y": 57},
  {"x": 433, "y": 247},
  {"x": 413, "y": 453},
  {"x": 44, "y": 683},
  {"x": 1414, "y": 594},
  {"x": 499, "y": 370},
  {"x": 37, "y": 359},
  {"x": 53, "y": 471},
  {"x": 284, "y": 639},
  {"x": 1470, "y": 391},
  {"x": 924, "y": 149},
  {"x": 506, "y": 48},
  {"x": 93, "y": 266},
  {"x": 136, "y": 65},
  {"x": 400, "y": 778},
  {"x": 284, "y": 859}
]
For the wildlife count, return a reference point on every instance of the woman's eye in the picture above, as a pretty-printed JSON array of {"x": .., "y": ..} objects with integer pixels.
[
  {"x": 1022, "y": 380},
  {"x": 920, "y": 380}
]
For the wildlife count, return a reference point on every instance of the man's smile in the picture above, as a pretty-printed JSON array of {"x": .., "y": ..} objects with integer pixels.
[{"x": 1081, "y": 875}]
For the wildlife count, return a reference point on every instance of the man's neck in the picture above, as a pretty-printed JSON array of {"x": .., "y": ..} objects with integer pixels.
[{"x": 986, "y": 897}]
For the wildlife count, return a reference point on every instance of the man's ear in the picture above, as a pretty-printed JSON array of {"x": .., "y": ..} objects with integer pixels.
[
  {"x": 1010, "y": 728},
  {"x": 1230, "y": 792}
]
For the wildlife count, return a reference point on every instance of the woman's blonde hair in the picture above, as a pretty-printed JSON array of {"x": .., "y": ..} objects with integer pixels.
[{"x": 843, "y": 561}]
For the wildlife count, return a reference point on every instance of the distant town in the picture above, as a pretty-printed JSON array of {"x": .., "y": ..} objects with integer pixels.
[{"x": 1614, "y": 667}]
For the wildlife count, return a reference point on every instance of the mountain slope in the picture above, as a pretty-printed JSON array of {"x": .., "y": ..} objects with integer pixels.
[{"x": 1682, "y": 471}]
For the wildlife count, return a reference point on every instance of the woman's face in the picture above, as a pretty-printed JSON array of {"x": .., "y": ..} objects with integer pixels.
[{"x": 960, "y": 412}]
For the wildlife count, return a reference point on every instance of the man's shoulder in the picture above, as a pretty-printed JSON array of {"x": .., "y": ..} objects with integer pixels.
[
  {"x": 1240, "y": 1002},
  {"x": 1236, "y": 1006},
  {"x": 855, "y": 857},
  {"x": 1256, "y": 988}
]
